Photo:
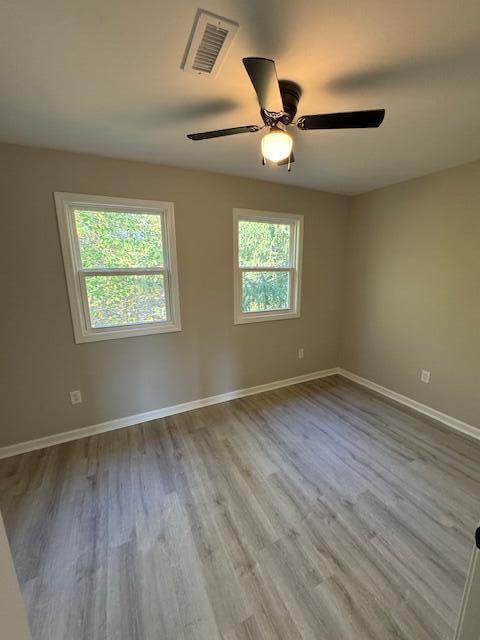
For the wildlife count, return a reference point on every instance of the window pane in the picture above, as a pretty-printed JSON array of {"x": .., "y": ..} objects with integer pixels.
[
  {"x": 117, "y": 239},
  {"x": 121, "y": 300},
  {"x": 263, "y": 244},
  {"x": 265, "y": 291}
]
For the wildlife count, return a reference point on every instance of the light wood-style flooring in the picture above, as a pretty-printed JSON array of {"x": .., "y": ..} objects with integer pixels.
[{"x": 319, "y": 511}]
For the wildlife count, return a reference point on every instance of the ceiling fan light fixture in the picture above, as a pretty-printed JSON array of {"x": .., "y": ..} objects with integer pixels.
[{"x": 276, "y": 145}]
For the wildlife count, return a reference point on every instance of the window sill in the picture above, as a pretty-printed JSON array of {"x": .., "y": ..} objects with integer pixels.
[
  {"x": 265, "y": 317},
  {"x": 115, "y": 334}
]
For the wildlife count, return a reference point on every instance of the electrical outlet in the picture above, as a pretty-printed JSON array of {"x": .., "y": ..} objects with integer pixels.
[
  {"x": 301, "y": 354},
  {"x": 425, "y": 376},
  {"x": 75, "y": 397}
]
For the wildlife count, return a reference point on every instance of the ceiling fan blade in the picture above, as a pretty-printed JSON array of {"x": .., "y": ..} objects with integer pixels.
[
  {"x": 346, "y": 120},
  {"x": 284, "y": 162},
  {"x": 206, "y": 135},
  {"x": 263, "y": 75}
]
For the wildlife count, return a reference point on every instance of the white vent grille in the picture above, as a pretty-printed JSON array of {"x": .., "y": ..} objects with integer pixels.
[
  {"x": 209, "y": 43},
  {"x": 210, "y": 46}
]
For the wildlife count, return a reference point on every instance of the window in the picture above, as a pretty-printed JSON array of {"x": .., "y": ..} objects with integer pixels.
[
  {"x": 267, "y": 265},
  {"x": 120, "y": 265}
]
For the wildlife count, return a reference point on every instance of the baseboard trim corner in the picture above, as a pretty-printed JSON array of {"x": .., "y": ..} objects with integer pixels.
[
  {"x": 449, "y": 421},
  {"x": 128, "y": 421}
]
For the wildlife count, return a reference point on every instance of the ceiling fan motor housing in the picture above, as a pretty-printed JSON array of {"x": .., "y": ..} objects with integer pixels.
[{"x": 291, "y": 93}]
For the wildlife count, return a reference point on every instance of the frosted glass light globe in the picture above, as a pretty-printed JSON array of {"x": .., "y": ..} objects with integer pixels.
[{"x": 276, "y": 145}]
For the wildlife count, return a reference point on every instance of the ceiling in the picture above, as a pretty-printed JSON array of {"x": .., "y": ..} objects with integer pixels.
[{"x": 104, "y": 77}]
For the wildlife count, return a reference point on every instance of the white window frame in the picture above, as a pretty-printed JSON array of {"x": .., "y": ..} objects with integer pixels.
[
  {"x": 294, "y": 267},
  {"x": 75, "y": 274}
]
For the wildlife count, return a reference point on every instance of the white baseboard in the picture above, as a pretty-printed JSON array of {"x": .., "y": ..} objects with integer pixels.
[
  {"x": 449, "y": 421},
  {"x": 128, "y": 421}
]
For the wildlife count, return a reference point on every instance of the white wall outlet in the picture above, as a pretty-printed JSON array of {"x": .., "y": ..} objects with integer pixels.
[
  {"x": 425, "y": 377},
  {"x": 75, "y": 397},
  {"x": 301, "y": 353}
]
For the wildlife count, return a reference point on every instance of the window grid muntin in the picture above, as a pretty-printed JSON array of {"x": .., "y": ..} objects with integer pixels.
[
  {"x": 290, "y": 269},
  {"x": 119, "y": 272},
  {"x": 82, "y": 272},
  {"x": 296, "y": 239}
]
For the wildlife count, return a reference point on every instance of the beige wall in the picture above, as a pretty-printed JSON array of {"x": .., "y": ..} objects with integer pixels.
[
  {"x": 40, "y": 363},
  {"x": 407, "y": 259},
  {"x": 13, "y": 618},
  {"x": 412, "y": 289}
]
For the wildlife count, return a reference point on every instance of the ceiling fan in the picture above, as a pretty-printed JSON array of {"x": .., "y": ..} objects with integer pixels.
[{"x": 278, "y": 107}]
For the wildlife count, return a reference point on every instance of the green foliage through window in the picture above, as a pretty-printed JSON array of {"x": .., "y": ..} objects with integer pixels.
[
  {"x": 263, "y": 244},
  {"x": 126, "y": 299},
  {"x": 117, "y": 239},
  {"x": 122, "y": 240},
  {"x": 265, "y": 291}
]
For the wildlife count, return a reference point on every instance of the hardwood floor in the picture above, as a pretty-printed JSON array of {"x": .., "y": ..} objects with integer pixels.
[{"x": 319, "y": 511}]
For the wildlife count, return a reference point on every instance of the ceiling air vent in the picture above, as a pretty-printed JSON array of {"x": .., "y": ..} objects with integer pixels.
[{"x": 209, "y": 42}]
